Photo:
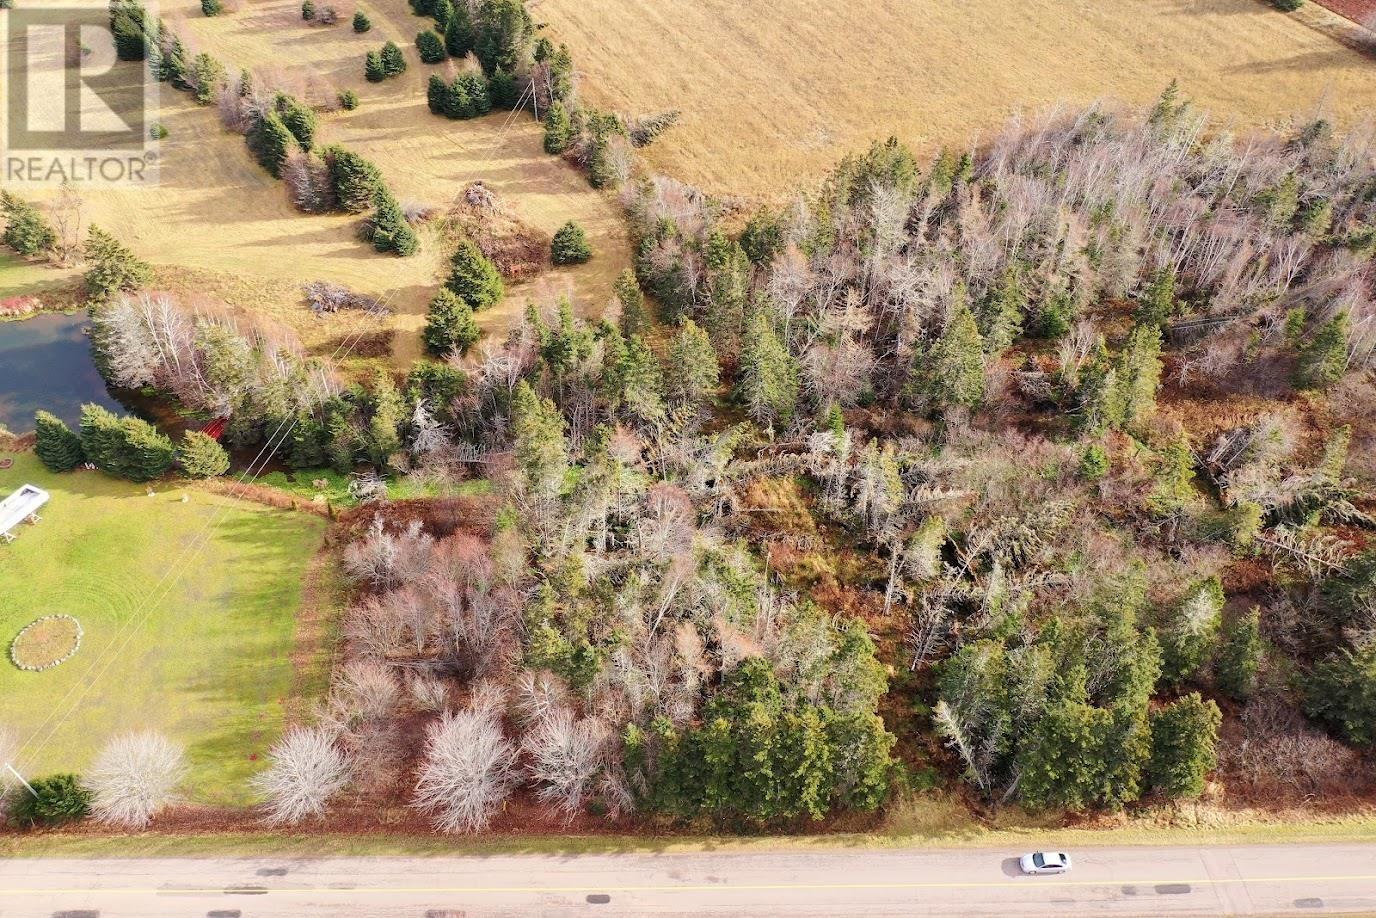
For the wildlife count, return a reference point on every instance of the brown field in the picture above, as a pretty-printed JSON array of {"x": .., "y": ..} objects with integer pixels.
[
  {"x": 774, "y": 91},
  {"x": 218, "y": 224}
]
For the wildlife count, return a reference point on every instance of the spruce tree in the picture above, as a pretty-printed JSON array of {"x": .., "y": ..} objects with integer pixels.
[
  {"x": 57, "y": 447},
  {"x": 951, "y": 373},
  {"x": 1187, "y": 640},
  {"x": 147, "y": 453},
  {"x": 641, "y": 381},
  {"x": 633, "y": 317},
  {"x": 1138, "y": 373},
  {"x": 541, "y": 451},
  {"x": 1184, "y": 739},
  {"x": 362, "y": 23},
  {"x": 1173, "y": 488},
  {"x": 173, "y": 66},
  {"x": 430, "y": 46},
  {"x": 558, "y": 129},
  {"x": 443, "y": 12},
  {"x": 110, "y": 267},
  {"x": 570, "y": 245},
  {"x": 503, "y": 90},
  {"x": 475, "y": 84},
  {"x": 1239, "y": 656},
  {"x": 131, "y": 30},
  {"x": 102, "y": 439},
  {"x": 769, "y": 376},
  {"x": 449, "y": 325},
  {"x": 354, "y": 179},
  {"x": 502, "y": 35},
  {"x": 201, "y": 456},
  {"x": 391, "y": 232},
  {"x": 348, "y": 100},
  {"x": 1323, "y": 358},
  {"x": 458, "y": 32},
  {"x": 693, "y": 372},
  {"x": 473, "y": 276},
  {"x": 270, "y": 142},
  {"x": 25, "y": 229},
  {"x": 436, "y": 92},
  {"x": 300, "y": 119},
  {"x": 383, "y": 439},
  {"x": 212, "y": 7},
  {"x": 1157, "y": 303},
  {"x": 457, "y": 103},
  {"x": 1341, "y": 692},
  {"x": 393, "y": 61},
  {"x": 373, "y": 70},
  {"x": 1001, "y": 313},
  {"x": 208, "y": 75}
]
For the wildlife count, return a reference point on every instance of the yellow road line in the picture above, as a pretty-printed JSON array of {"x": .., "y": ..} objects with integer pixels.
[{"x": 1028, "y": 883}]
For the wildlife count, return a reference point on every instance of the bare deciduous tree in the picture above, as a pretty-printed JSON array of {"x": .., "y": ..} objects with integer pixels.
[
  {"x": 567, "y": 756},
  {"x": 134, "y": 777},
  {"x": 468, "y": 771},
  {"x": 307, "y": 771}
]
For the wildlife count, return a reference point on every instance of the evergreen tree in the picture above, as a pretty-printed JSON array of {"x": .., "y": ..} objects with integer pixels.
[
  {"x": 110, "y": 267},
  {"x": 541, "y": 452},
  {"x": 56, "y": 446},
  {"x": 270, "y": 141},
  {"x": 131, "y": 30},
  {"x": 212, "y": 7},
  {"x": 1098, "y": 409},
  {"x": 1094, "y": 464},
  {"x": 1315, "y": 218},
  {"x": 386, "y": 417},
  {"x": 1341, "y": 692},
  {"x": 393, "y": 61},
  {"x": 642, "y": 382},
  {"x": 1323, "y": 358},
  {"x": 633, "y": 317},
  {"x": 102, "y": 439},
  {"x": 348, "y": 100},
  {"x": 728, "y": 290},
  {"x": 1001, "y": 313},
  {"x": 146, "y": 454},
  {"x": 308, "y": 10},
  {"x": 25, "y": 229},
  {"x": 449, "y": 326},
  {"x": 1138, "y": 376},
  {"x": 457, "y": 102},
  {"x": 443, "y": 12},
  {"x": 693, "y": 374},
  {"x": 763, "y": 237},
  {"x": 373, "y": 70},
  {"x": 1157, "y": 303},
  {"x": 502, "y": 35},
  {"x": 391, "y": 232},
  {"x": 436, "y": 91},
  {"x": 1239, "y": 656},
  {"x": 458, "y": 32},
  {"x": 570, "y": 245},
  {"x": 474, "y": 277},
  {"x": 558, "y": 129},
  {"x": 1173, "y": 489},
  {"x": 1188, "y": 639},
  {"x": 951, "y": 373},
  {"x": 200, "y": 456},
  {"x": 362, "y": 23},
  {"x": 173, "y": 67},
  {"x": 769, "y": 376},
  {"x": 431, "y": 47},
  {"x": 503, "y": 90},
  {"x": 354, "y": 179},
  {"x": 1184, "y": 737},
  {"x": 208, "y": 74},
  {"x": 54, "y": 801},
  {"x": 475, "y": 85},
  {"x": 422, "y": 7},
  {"x": 300, "y": 119}
]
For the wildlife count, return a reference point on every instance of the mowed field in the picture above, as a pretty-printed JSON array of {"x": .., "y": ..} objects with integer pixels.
[
  {"x": 220, "y": 226},
  {"x": 197, "y": 645},
  {"x": 773, "y": 92}
]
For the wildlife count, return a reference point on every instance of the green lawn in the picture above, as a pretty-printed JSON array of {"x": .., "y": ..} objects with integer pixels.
[{"x": 203, "y": 655}]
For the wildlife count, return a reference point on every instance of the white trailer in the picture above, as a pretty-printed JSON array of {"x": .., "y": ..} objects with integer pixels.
[{"x": 20, "y": 506}]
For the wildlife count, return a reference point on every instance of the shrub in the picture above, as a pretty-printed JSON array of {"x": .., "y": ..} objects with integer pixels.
[
  {"x": 449, "y": 325},
  {"x": 307, "y": 10},
  {"x": 1287, "y": 6},
  {"x": 135, "y": 776},
  {"x": 362, "y": 23},
  {"x": 570, "y": 245},
  {"x": 348, "y": 100},
  {"x": 373, "y": 70},
  {"x": 430, "y": 46},
  {"x": 57, "y": 447},
  {"x": 111, "y": 268},
  {"x": 474, "y": 277},
  {"x": 201, "y": 456},
  {"x": 393, "y": 61},
  {"x": 158, "y": 131},
  {"x": 212, "y": 7},
  {"x": 306, "y": 772},
  {"x": 56, "y": 799},
  {"x": 25, "y": 229}
]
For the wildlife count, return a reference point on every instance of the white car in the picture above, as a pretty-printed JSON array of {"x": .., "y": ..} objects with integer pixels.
[{"x": 1039, "y": 862}]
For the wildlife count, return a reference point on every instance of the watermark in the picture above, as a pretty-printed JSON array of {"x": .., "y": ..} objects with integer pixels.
[{"x": 79, "y": 103}]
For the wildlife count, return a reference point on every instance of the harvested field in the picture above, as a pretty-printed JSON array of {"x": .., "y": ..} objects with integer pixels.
[
  {"x": 772, "y": 93},
  {"x": 220, "y": 226}
]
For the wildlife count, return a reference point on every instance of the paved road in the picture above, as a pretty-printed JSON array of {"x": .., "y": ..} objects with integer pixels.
[{"x": 1293, "y": 880}]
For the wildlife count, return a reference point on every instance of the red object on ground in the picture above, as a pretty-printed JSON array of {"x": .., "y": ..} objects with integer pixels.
[{"x": 215, "y": 428}]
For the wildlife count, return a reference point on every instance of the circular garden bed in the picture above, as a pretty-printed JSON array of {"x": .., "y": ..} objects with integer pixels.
[{"x": 46, "y": 642}]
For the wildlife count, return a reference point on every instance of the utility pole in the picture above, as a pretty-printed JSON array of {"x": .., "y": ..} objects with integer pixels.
[{"x": 21, "y": 780}]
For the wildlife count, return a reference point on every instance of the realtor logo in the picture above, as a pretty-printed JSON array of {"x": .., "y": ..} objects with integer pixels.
[{"x": 73, "y": 110}]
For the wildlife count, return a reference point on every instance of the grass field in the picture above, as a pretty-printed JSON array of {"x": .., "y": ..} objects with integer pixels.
[
  {"x": 775, "y": 91},
  {"x": 219, "y": 225},
  {"x": 204, "y": 656}
]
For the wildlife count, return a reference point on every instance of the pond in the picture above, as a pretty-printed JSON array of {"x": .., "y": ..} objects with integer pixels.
[{"x": 45, "y": 362}]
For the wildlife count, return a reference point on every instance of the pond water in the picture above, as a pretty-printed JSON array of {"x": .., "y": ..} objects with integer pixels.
[{"x": 45, "y": 362}]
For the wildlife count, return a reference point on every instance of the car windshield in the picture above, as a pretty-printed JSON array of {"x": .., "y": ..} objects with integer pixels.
[{"x": 1038, "y": 859}]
